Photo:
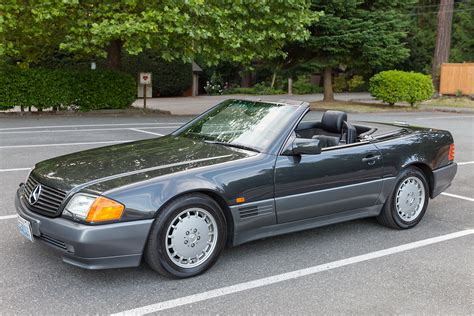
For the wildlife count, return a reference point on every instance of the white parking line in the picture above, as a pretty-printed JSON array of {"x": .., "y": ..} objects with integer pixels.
[
  {"x": 444, "y": 117},
  {"x": 14, "y": 169},
  {"x": 465, "y": 163},
  {"x": 7, "y": 217},
  {"x": 458, "y": 196},
  {"x": 290, "y": 275},
  {"x": 87, "y": 130},
  {"x": 146, "y": 132},
  {"x": 67, "y": 144},
  {"x": 87, "y": 125}
]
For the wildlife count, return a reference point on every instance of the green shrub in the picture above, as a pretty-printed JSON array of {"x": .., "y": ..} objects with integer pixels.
[
  {"x": 399, "y": 86},
  {"x": 62, "y": 88},
  {"x": 420, "y": 88},
  {"x": 302, "y": 85},
  {"x": 339, "y": 84},
  {"x": 257, "y": 89},
  {"x": 355, "y": 83}
]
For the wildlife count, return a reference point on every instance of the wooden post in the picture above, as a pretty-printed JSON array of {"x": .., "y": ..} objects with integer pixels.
[
  {"x": 195, "y": 87},
  {"x": 290, "y": 86},
  {"x": 144, "y": 96}
]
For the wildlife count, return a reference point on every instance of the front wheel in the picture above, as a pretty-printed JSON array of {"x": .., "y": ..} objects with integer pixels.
[
  {"x": 186, "y": 237},
  {"x": 407, "y": 204}
]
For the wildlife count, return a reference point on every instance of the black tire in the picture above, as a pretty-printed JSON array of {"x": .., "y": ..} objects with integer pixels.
[
  {"x": 389, "y": 215},
  {"x": 156, "y": 255}
]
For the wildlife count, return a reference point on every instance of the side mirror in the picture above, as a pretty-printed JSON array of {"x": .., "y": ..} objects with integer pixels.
[{"x": 302, "y": 146}]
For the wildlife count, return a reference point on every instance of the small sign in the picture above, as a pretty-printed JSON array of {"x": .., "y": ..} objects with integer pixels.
[{"x": 145, "y": 78}]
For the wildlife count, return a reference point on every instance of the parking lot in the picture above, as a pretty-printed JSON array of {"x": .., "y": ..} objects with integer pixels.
[{"x": 345, "y": 268}]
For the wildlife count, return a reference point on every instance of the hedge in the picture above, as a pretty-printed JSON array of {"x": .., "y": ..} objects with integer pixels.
[
  {"x": 171, "y": 78},
  {"x": 399, "y": 86},
  {"x": 63, "y": 88},
  {"x": 93, "y": 90}
]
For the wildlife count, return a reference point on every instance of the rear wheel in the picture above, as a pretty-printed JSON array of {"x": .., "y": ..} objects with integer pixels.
[
  {"x": 407, "y": 204},
  {"x": 186, "y": 237}
]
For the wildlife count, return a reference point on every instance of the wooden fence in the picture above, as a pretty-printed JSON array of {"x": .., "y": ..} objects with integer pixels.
[{"x": 457, "y": 78}]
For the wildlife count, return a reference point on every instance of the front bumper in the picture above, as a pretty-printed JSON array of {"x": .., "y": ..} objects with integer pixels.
[
  {"x": 442, "y": 178},
  {"x": 106, "y": 246}
]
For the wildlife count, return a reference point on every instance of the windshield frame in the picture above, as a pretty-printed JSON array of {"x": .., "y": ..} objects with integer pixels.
[{"x": 274, "y": 146}]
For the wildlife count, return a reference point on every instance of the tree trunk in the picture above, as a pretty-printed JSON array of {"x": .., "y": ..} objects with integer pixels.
[
  {"x": 273, "y": 80},
  {"x": 246, "y": 79},
  {"x": 443, "y": 39},
  {"x": 114, "y": 55},
  {"x": 328, "y": 93}
]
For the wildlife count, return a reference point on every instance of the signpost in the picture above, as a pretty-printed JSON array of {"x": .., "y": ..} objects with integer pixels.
[{"x": 145, "y": 79}]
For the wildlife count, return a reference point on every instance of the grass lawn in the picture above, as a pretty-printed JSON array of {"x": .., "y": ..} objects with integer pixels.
[
  {"x": 363, "y": 107},
  {"x": 359, "y": 107},
  {"x": 463, "y": 102}
]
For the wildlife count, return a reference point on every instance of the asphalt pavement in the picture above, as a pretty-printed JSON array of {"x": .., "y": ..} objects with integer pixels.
[{"x": 355, "y": 267}]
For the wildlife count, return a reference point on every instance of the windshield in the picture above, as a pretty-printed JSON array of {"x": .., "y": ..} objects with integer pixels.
[{"x": 250, "y": 124}]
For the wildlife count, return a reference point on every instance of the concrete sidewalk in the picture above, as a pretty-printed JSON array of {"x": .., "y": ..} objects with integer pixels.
[{"x": 197, "y": 105}]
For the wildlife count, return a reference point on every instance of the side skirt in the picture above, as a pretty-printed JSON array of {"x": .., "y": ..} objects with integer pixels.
[{"x": 290, "y": 227}]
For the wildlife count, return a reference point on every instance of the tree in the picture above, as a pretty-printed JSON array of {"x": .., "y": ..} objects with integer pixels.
[
  {"x": 26, "y": 35},
  {"x": 216, "y": 30},
  {"x": 443, "y": 38},
  {"x": 462, "y": 48},
  {"x": 421, "y": 37},
  {"x": 353, "y": 33}
]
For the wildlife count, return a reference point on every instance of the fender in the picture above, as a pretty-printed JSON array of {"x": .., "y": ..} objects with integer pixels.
[
  {"x": 144, "y": 199},
  {"x": 414, "y": 149}
]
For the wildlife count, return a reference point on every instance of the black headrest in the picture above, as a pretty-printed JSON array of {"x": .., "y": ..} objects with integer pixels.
[{"x": 332, "y": 121}]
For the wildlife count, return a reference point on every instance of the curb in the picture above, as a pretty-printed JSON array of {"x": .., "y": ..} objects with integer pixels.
[
  {"x": 448, "y": 110},
  {"x": 116, "y": 113}
]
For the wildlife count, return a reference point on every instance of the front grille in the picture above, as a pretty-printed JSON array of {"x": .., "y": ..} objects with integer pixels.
[{"x": 49, "y": 200}]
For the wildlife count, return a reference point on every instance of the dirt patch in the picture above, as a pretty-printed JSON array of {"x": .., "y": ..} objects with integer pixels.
[{"x": 456, "y": 102}]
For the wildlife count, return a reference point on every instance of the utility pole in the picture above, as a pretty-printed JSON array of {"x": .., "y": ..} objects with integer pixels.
[{"x": 443, "y": 39}]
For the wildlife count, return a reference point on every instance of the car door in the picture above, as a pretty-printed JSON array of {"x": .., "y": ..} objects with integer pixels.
[{"x": 339, "y": 179}]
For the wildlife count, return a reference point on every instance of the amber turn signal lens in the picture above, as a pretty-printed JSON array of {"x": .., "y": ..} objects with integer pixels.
[
  {"x": 240, "y": 200},
  {"x": 104, "y": 209},
  {"x": 451, "y": 152}
]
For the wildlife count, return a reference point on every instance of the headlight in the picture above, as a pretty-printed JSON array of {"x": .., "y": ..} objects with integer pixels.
[{"x": 94, "y": 209}]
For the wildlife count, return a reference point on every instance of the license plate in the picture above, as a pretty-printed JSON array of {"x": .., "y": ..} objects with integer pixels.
[{"x": 25, "y": 228}]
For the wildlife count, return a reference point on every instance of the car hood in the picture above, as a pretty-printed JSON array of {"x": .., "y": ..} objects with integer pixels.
[{"x": 131, "y": 162}]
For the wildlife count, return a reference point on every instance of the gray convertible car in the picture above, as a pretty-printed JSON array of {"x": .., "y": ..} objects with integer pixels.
[{"x": 241, "y": 171}]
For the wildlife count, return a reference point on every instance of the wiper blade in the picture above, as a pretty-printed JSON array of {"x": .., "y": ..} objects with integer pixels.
[{"x": 236, "y": 145}]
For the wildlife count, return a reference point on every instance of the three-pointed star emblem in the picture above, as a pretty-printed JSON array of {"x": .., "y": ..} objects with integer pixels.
[{"x": 35, "y": 194}]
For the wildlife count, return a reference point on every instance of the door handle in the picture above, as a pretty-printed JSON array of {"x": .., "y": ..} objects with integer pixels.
[{"x": 371, "y": 159}]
